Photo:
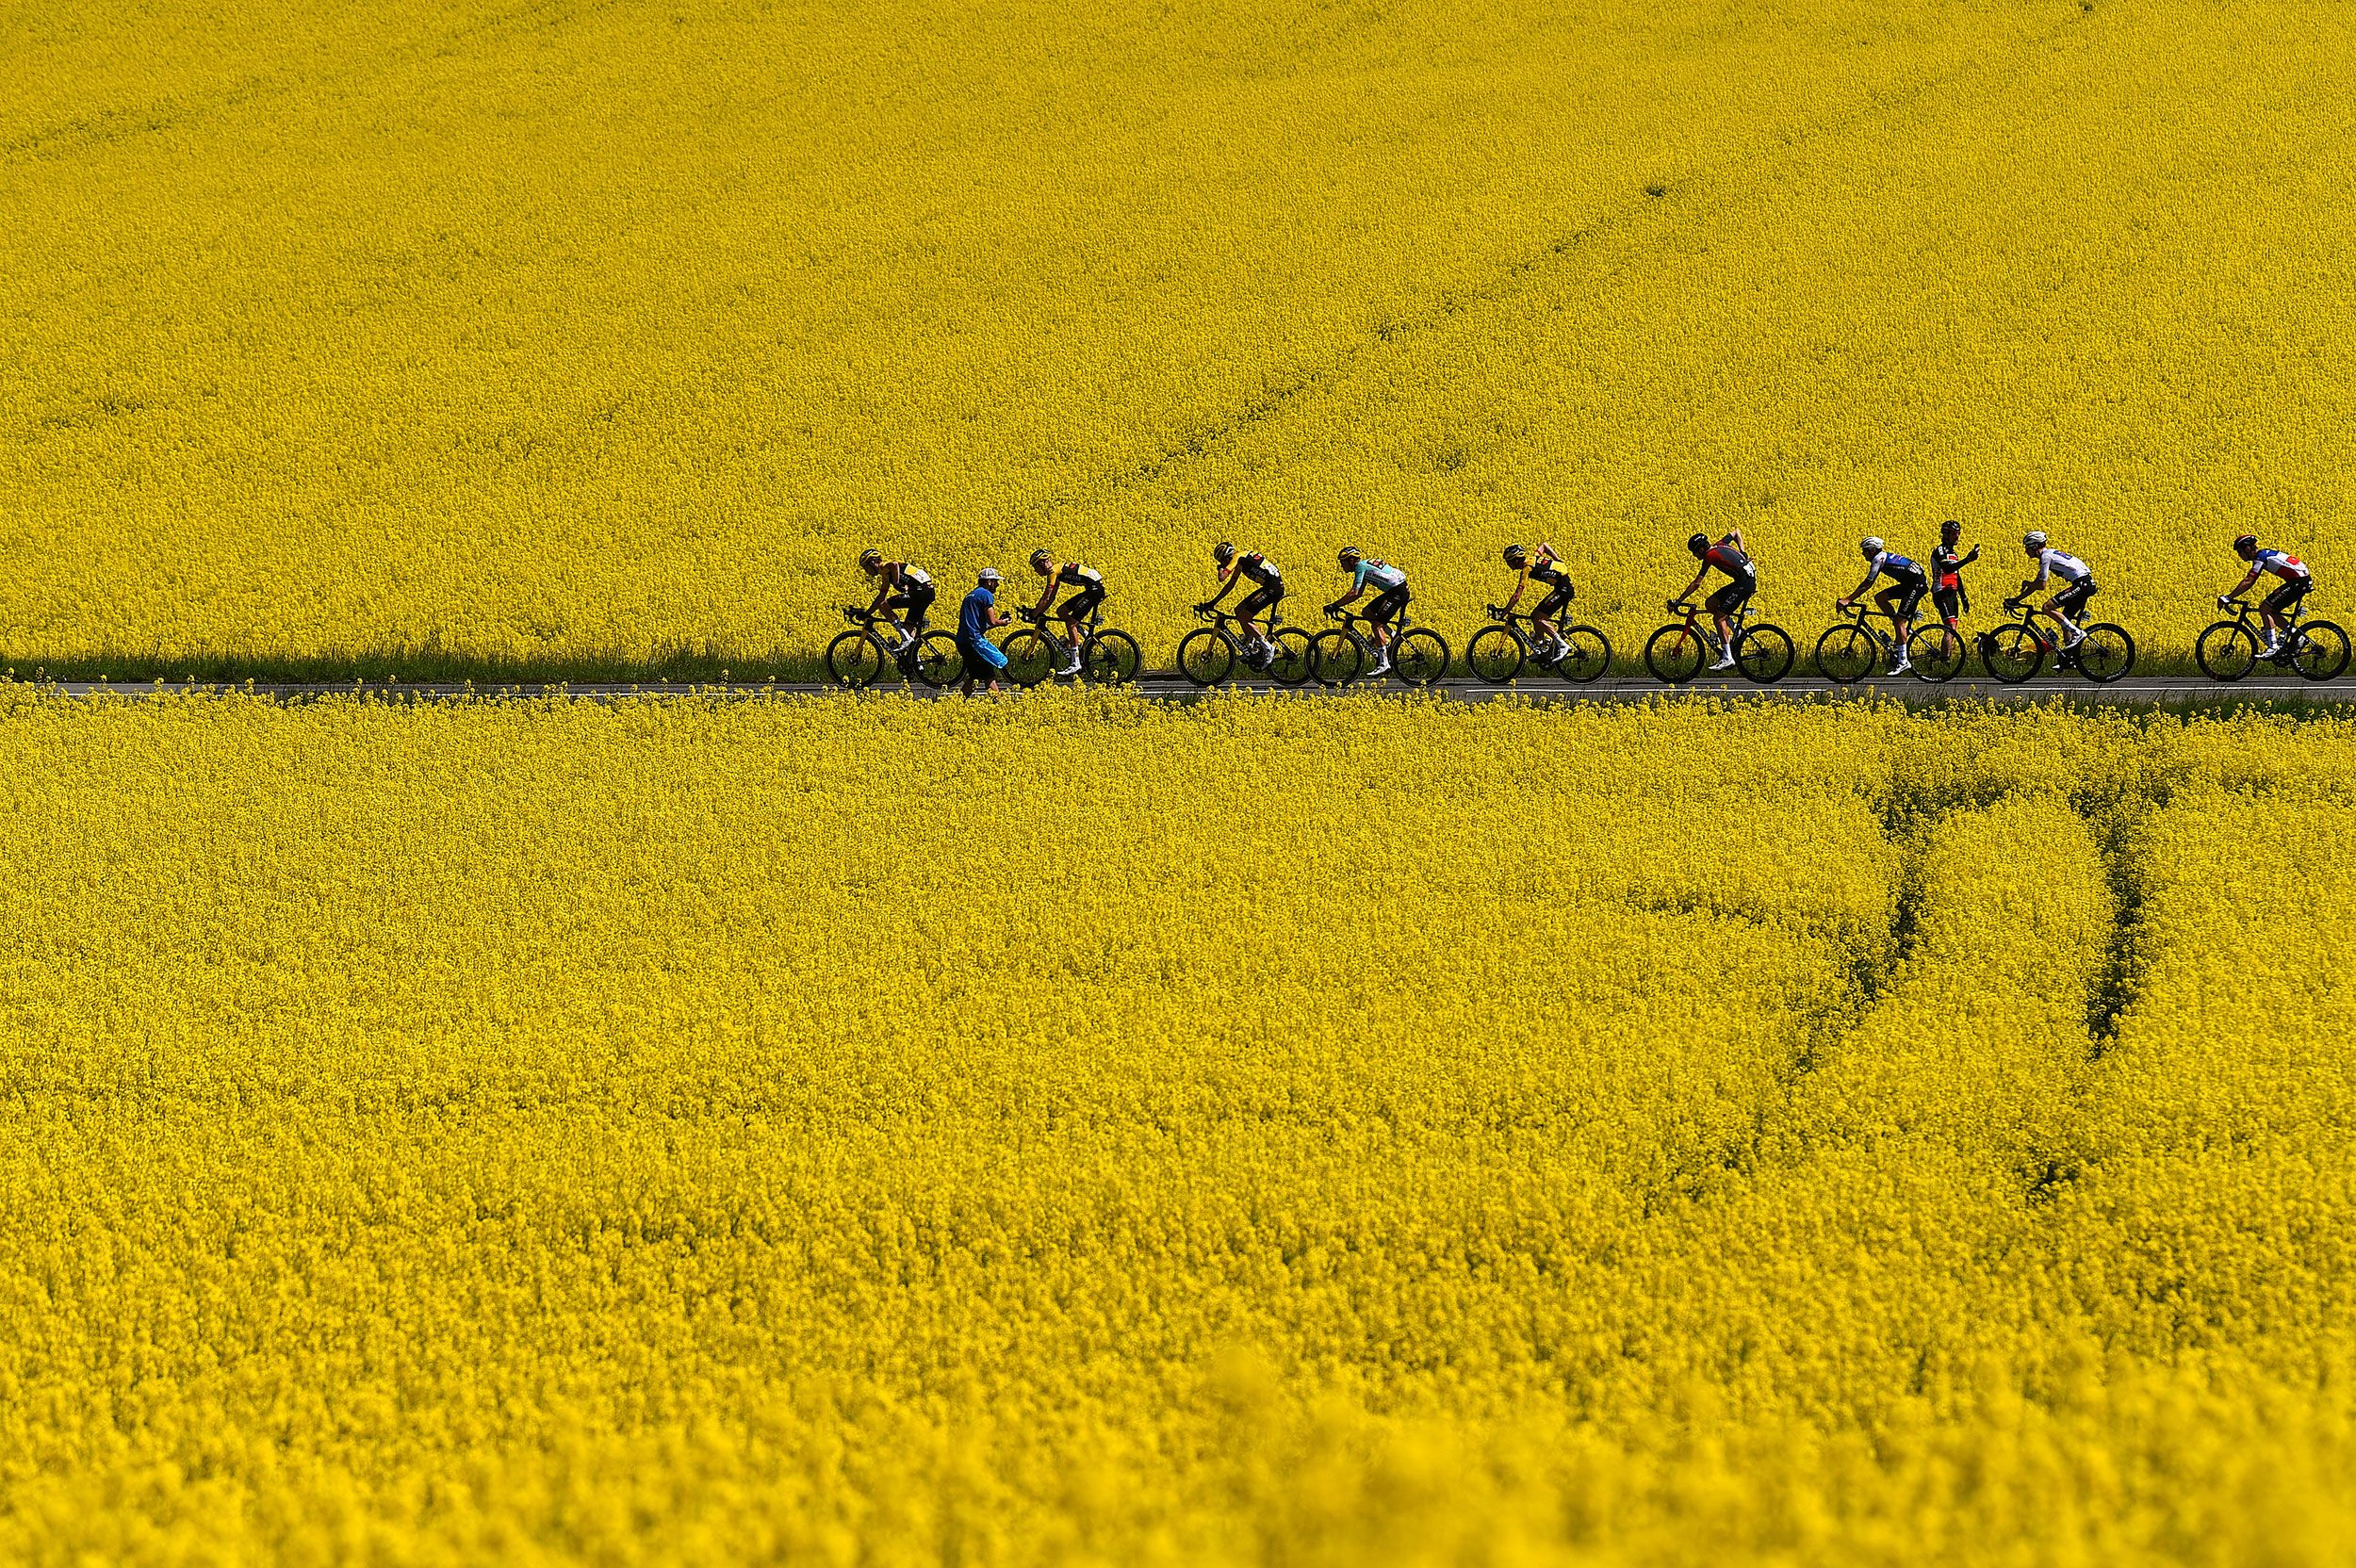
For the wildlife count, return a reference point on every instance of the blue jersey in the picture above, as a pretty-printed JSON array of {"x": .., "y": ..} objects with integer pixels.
[{"x": 1899, "y": 568}]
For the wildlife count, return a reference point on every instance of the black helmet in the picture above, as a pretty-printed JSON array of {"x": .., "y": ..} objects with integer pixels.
[
  {"x": 1949, "y": 531},
  {"x": 1040, "y": 560},
  {"x": 1350, "y": 556},
  {"x": 1699, "y": 544},
  {"x": 1514, "y": 556},
  {"x": 871, "y": 560},
  {"x": 1223, "y": 552},
  {"x": 2247, "y": 546}
]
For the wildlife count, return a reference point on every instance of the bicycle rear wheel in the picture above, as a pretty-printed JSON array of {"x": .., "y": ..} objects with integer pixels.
[
  {"x": 1494, "y": 654},
  {"x": 2012, "y": 654},
  {"x": 1847, "y": 654},
  {"x": 2104, "y": 654},
  {"x": 1675, "y": 654},
  {"x": 1336, "y": 657},
  {"x": 2321, "y": 652},
  {"x": 855, "y": 659},
  {"x": 1291, "y": 664},
  {"x": 1937, "y": 652},
  {"x": 1030, "y": 658},
  {"x": 939, "y": 660},
  {"x": 1763, "y": 654},
  {"x": 1205, "y": 656},
  {"x": 2226, "y": 651},
  {"x": 1110, "y": 659},
  {"x": 1586, "y": 654},
  {"x": 1419, "y": 656}
]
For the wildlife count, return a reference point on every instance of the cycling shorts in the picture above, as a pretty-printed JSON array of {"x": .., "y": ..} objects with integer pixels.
[
  {"x": 912, "y": 603},
  {"x": 1557, "y": 600},
  {"x": 1387, "y": 603},
  {"x": 1079, "y": 605},
  {"x": 2287, "y": 595},
  {"x": 1910, "y": 592},
  {"x": 2073, "y": 599},
  {"x": 1262, "y": 598},
  {"x": 1950, "y": 602},
  {"x": 1733, "y": 596}
]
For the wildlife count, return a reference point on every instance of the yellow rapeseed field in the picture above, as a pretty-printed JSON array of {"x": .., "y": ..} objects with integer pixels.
[
  {"x": 440, "y": 335},
  {"x": 1086, "y": 1131}
]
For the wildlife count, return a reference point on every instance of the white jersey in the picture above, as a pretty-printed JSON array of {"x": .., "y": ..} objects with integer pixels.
[
  {"x": 2067, "y": 567},
  {"x": 2282, "y": 563}
]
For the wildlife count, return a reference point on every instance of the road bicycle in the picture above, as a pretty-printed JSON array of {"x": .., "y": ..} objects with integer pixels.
[
  {"x": 1209, "y": 653},
  {"x": 2228, "y": 650},
  {"x": 1340, "y": 653},
  {"x": 1856, "y": 648},
  {"x": 1676, "y": 652},
  {"x": 2015, "y": 652},
  {"x": 1497, "y": 653},
  {"x": 1107, "y": 658},
  {"x": 858, "y": 658}
]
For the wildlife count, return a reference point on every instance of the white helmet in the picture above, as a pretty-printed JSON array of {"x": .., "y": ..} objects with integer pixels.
[
  {"x": 1871, "y": 546},
  {"x": 2032, "y": 540}
]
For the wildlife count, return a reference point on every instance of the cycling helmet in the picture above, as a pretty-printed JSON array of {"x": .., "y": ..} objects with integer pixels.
[
  {"x": 990, "y": 575},
  {"x": 1699, "y": 544},
  {"x": 871, "y": 560},
  {"x": 1949, "y": 531},
  {"x": 2033, "y": 541},
  {"x": 1871, "y": 546},
  {"x": 1516, "y": 556},
  {"x": 1223, "y": 552},
  {"x": 1349, "y": 557},
  {"x": 1040, "y": 560},
  {"x": 2247, "y": 546}
]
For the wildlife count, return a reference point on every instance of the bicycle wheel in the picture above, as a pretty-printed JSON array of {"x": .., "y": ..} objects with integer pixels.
[
  {"x": 1496, "y": 654},
  {"x": 2104, "y": 654},
  {"x": 1419, "y": 656},
  {"x": 1336, "y": 657},
  {"x": 1205, "y": 656},
  {"x": 939, "y": 660},
  {"x": 1763, "y": 654},
  {"x": 2012, "y": 653},
  {"x": 2226, "y": 651},
  {"x": 1110, "y": 659},
  {"x": 855, "y": 659},
  {"x": 1586, "y": 654},
  {"x": 1031, "y": 657},
  {"x": 1291, "y": 665},
  {"x": 1675, "y": 654},
  {"x": 1847, "y": 654},
  {"x": 2321, "y": 652},
  {"x": 1937, "y": 652}
]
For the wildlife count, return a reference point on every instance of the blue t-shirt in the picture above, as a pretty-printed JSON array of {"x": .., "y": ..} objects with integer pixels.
[{"x": 973, "y": 628}]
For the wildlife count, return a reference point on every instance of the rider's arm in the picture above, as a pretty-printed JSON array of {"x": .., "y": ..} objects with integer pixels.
[
  {"x": 1858, "y": 592},
  {"x": 1357, "y": 586},
  {"x": 1690, "y": 588},
  {"x": 1519, "y": 583},
  {"x": 883, "y": 591},
  {"x": 1227, "y": 575},
  {"x": 1968, "y": 559},
  {"x": 1736, "y": 534},
  {"x": 1054, "y": 580},
  {"x": 2243, "y": 586}
]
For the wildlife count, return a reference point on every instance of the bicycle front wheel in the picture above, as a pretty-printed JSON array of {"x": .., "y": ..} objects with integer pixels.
[
  {"x": 1494, "y": 654},
  {"x": 1675, "y": 654},
  {"x": 2321, "y": 651},
  {"x": 1937, "y": 652},
  {"x": 855, "y": 659},
  {"x": 2226, "y": 651},
  {"x": 1847, "y": 654},
  {"x": 1586, "y": 654},
  {"x": 1030, "y": 658},
  {"x": 1290, "y": 663},
  {"x": 1110, "y": 659},
  {"x": 2104, "y": 654},
  {"x": 1763, "y": 654},
  {"x": 1206, "y": 657},
  {"x": 2012, "y": 654},
  {"x": 1419, "y": 656},
  {"x": 1336, "y": 657}
]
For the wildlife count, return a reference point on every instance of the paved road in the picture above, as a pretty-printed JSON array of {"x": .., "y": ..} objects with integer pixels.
[{"x": 2163, "y": 689}]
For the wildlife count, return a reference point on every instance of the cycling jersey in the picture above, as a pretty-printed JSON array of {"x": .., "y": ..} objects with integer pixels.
[
  {"x": 2282, "y": 563},
  {"x": 1551, "y": 574},
  {"x": 900, "y": 575},
  {"x": 1381, "y": 573},
  {"x": 1257, "y": 568},
  {"x": 1947, "y": 567},
  {"x": 1073, "y": 575},
  {"x": 2067, "y": 567},
  {"x": 1900, "y": 570},
  {"x": 1730, "y": 561}
]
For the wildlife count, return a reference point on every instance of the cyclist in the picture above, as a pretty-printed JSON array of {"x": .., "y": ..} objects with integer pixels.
[
  {"x": 2278, "y": 607},
  {"x": 1730, "y": 557},
  {"x": 977, "y": 619},
  {"x": 1390, "y": 598},
  {"x": 2077, "y": 584},
  {"x": 1267, "y": 592},
  {"x": 1947, "y": 573},
  {"x": 1545, "y": 567},
  {"x": 1087, "y": 587},
  {"x": 1908, "y": 584},
  {"x": 902, "y": 587}
]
